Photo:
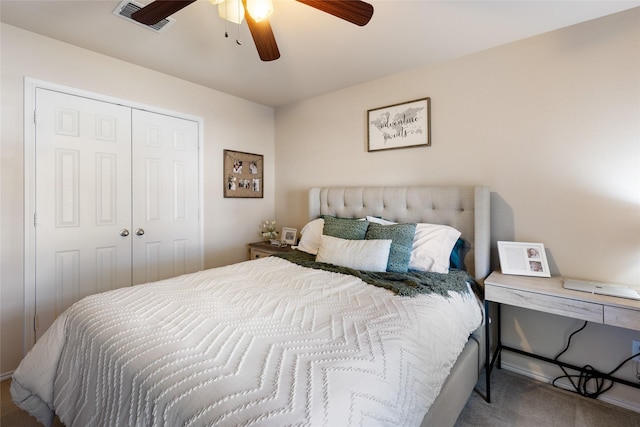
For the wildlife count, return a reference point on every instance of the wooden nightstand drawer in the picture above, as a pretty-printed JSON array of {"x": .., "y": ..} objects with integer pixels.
[
  {"x": 257, "y": 253},
  {"x": 264, "y": 249}
]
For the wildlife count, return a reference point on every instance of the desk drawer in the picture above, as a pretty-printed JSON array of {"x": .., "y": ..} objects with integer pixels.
[
  {"x": 549, "y": 304},
  {"x": 622, "y": 317}
]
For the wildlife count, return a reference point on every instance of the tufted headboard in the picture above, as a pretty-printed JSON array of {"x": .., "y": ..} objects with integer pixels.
[{"x": 465, "y": 208}]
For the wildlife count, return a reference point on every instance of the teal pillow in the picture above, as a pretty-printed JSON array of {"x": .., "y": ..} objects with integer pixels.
[
  {"x": 401, "y": 236},
  {"x": 344, "y": 228},
  {"x": 456, "y": 260}
]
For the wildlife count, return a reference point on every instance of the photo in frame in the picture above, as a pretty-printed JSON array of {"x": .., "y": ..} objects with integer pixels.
[
  {"x": 289, "y": 235},
  {"x": 400, "y": 125},
  {"x": 243, "y": 174},
  {"x": 523, "y": 259}
]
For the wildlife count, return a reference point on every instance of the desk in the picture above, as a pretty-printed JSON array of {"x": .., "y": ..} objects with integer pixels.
[{"x": 549, "y": 296}]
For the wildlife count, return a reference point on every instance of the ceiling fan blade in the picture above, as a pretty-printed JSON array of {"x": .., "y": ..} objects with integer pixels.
[
  {"x": 155, "y": 12},
  {"x": 263, "y": 37},
  {"x": 355, "y": 11}
]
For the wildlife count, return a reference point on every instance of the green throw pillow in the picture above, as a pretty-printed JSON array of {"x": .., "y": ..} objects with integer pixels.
[
  {"x": 344, "y": 228},
  {"x": 401, "y": 236}
]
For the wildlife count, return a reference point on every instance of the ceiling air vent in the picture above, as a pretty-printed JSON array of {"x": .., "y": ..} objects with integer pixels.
[{"x": 127, "y": 7}]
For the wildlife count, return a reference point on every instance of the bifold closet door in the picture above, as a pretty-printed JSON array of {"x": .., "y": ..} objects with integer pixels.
[
  {"x": 166, "y": 230},
  {"x": 83, "y": 201},
  {"x": 116, "y": 196}
]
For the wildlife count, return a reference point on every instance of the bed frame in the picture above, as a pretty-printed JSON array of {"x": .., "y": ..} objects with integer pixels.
[{"x": 465, "y": 208}]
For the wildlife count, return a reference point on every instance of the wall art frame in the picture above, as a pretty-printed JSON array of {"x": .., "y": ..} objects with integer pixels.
[
  {"x": 523, "y": 259},
  {"x": 243, "y": 175},
  {"x": 407, "y": 124}
]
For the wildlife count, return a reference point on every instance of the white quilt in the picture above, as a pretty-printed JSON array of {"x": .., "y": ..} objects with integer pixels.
[{"x": 263, "y": 342}]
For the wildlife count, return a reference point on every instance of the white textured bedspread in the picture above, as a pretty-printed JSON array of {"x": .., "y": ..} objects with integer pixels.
[{"x": 263, "y": 342}]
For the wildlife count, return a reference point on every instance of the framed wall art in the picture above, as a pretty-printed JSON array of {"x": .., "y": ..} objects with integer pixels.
[
  {"x": 524, "y": 259},
  {"x": 400, "y": 125},
  {"x": 243, "y": 174}
]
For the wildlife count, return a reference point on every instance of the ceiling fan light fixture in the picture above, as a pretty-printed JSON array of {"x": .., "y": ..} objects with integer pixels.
[
  {"x": 259, "y": 9},
  {"x": 357, "y": 12},
  {"x": 231, "y": 10}
]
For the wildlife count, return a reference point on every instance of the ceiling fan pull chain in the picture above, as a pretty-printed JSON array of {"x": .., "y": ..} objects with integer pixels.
[
  {"x": 240, "y": 5},
  {"x": 357, "y": 12}
]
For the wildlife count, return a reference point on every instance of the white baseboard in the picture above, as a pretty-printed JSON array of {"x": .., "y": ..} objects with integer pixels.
[
  {"x": 633, "y": 406},
  {"x": 6, "y": 376}
]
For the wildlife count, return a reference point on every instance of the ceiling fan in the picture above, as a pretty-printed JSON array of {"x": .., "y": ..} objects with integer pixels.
[{"x": 257, "y": 14}]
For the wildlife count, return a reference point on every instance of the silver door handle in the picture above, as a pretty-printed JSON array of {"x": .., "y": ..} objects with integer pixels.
[
  {"x": 124, "y": 232},
  {"x": 139, "y": 232}
]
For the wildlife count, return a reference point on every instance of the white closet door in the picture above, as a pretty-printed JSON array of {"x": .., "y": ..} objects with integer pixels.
[
  {"x": 166, "y": 236},
  {"x": 83, "y": 200}
]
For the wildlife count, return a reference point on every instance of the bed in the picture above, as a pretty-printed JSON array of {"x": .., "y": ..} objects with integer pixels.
[{"x": 274, "y": 341}]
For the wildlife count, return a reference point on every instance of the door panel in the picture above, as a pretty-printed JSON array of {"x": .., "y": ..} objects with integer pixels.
[
  {"x": 166, "y": 197},
  {"x": 100, "y": 227},
  {"x": 83, "y": 200}
]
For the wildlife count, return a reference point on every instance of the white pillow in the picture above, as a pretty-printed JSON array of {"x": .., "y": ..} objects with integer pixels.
[
  {"x": 380, "y": 221},
  {"x": 367, "y": 255},
  {"x": 310, "y": 240},
  {"x": 432, "y": 246}
]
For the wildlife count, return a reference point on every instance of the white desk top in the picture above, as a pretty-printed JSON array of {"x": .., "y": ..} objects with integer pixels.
[
  {"x": 553, "y": 286},
  {"x": 549, "y": 296}
]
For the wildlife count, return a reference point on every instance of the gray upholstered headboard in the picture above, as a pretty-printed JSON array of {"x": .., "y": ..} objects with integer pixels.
[{"x": 465, "y": 208}]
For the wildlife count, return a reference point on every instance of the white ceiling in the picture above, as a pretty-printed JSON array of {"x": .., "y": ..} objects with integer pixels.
[{"x": 319, "y": 53}]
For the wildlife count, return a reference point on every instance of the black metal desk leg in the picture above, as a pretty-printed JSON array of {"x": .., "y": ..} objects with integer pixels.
[
  {"x": 487, "y": 350},
  {"x": 499, "y": 344}
]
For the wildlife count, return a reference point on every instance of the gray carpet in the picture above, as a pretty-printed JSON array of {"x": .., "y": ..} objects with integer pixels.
[
  {"x": 520, "y": 401},
  {"x": 517, "y": 401}
]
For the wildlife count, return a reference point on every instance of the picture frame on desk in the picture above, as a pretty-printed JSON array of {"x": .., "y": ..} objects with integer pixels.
[{"x": 523, "y": 259}]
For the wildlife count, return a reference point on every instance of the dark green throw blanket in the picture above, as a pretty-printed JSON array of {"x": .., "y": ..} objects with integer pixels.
[{"x": 405, "y": 284}]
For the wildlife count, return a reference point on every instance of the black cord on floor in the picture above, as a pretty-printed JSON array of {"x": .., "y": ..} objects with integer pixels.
[{"x": 588, "y": 374}]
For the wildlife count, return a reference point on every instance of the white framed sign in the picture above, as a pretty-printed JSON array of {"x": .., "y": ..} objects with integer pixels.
[
  {"x": 407, "y": 124},
  {"x": 523, "y": 258}
]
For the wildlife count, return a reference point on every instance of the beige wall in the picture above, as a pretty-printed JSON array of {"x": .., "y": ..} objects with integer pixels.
[
  {"x": 228, "y": 223},
  {"x": 551, "y": 124}
]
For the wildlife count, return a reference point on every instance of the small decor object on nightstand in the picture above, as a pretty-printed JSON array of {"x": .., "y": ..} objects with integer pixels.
[
  {"x": 524, "y": 259},
  {"x": 268, "y": 230},
  {"x": 289, "y": 235}
]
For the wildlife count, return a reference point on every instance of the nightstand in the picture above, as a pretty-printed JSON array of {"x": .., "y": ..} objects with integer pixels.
[
  {"x": 265, "y": 249},
  {"x": 548, "y": 295}
]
